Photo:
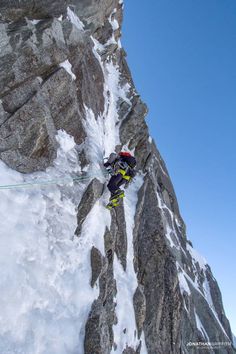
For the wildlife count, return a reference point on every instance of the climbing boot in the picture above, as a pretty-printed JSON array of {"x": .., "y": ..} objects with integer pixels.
[
  {"x": 118, "y": 195},
  {"x": 112, "y": 204}
]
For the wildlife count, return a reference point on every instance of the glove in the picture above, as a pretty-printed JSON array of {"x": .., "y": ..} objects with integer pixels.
[{"x": 109, "y": 169}]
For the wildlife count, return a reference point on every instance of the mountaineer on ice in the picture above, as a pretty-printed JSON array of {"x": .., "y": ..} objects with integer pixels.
[{"x": 121, "y": 167}]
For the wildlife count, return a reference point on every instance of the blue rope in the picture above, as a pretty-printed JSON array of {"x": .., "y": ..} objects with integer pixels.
[{"x": 35, "y": 183}]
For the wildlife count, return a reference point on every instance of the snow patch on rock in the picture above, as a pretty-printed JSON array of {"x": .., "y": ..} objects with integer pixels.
[
  {"x": 68, "y": 67},
  {"x": 200, "y": 326},
  {"x": 197, "y": 257}
]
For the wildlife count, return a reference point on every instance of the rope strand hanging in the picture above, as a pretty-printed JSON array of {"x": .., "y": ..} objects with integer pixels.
[{"x": 35, "y": 183}]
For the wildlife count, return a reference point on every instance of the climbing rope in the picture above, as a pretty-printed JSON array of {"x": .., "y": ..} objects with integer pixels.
[{"x": 35, "y": 183}]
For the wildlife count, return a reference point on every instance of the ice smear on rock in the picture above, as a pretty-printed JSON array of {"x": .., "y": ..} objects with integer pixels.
[
  {"x": 44, "y": 270},
  {"x": 67, "y": 66},
  {"x": 124, "y": 331}
]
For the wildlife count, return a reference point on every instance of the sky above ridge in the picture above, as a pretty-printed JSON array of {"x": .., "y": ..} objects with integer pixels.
[{"x": 182, "y": 55}]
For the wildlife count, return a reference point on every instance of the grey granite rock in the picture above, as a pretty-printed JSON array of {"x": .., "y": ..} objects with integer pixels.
[
  {"x": 139, "y": 308},
  {"x": 132, "y": 126},
  {"x": 118, "y": 230},
  {"x": 97, "y": 332},
  {"x": 156, "y": 272},
  {"x": 38, "y": 51},
  {"x": 95, "y": 13},
  {"x": 19, "y": 96},
  {"x": 29, "y": 145},
  {"x": 90, "y": 196},
  {"x": 129, "y": 350},
  {"x": 14, "y": 10},
  {"x": 96, "y": 264},
  {"x": 89, "y": 82},
  {"x": 99, "y": 336}
]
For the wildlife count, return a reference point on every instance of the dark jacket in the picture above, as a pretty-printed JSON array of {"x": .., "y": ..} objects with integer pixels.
[{"x": 126, "y": 163}]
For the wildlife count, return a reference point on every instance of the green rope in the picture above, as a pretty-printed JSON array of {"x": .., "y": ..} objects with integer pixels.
[{"x": 32, "y": 184}]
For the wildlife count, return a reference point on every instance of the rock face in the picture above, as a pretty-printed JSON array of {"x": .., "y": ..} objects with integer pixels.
[
  {"x": 63, "y": 68},
  {"x": 90, "y": 196}
]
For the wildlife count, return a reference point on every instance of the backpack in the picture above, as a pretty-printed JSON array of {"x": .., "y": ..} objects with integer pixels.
[{"x": 128, "y": 158}]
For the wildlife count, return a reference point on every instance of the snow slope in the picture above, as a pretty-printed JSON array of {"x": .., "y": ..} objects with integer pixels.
[{"x": 45, "y": 290}]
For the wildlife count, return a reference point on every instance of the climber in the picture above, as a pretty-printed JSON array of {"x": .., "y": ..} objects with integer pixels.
[{"x": 121, "y": 168}]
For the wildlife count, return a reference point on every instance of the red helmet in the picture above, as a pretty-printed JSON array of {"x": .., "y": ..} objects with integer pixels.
[{"x": 125, "y": 153}]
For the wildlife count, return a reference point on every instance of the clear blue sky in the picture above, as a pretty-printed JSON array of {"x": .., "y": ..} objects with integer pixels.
[{"x": 182, "y": 55}]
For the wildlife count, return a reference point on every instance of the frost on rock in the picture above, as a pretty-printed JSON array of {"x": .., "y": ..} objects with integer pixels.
[
  {"x": 35, "y": 22},
  {"x": 67, "y": 66}
]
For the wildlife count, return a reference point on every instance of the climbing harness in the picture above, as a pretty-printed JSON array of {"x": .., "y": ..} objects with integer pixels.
[
  {"x": 123, "y": 173},
  {"x": 122, "y": 167}
]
